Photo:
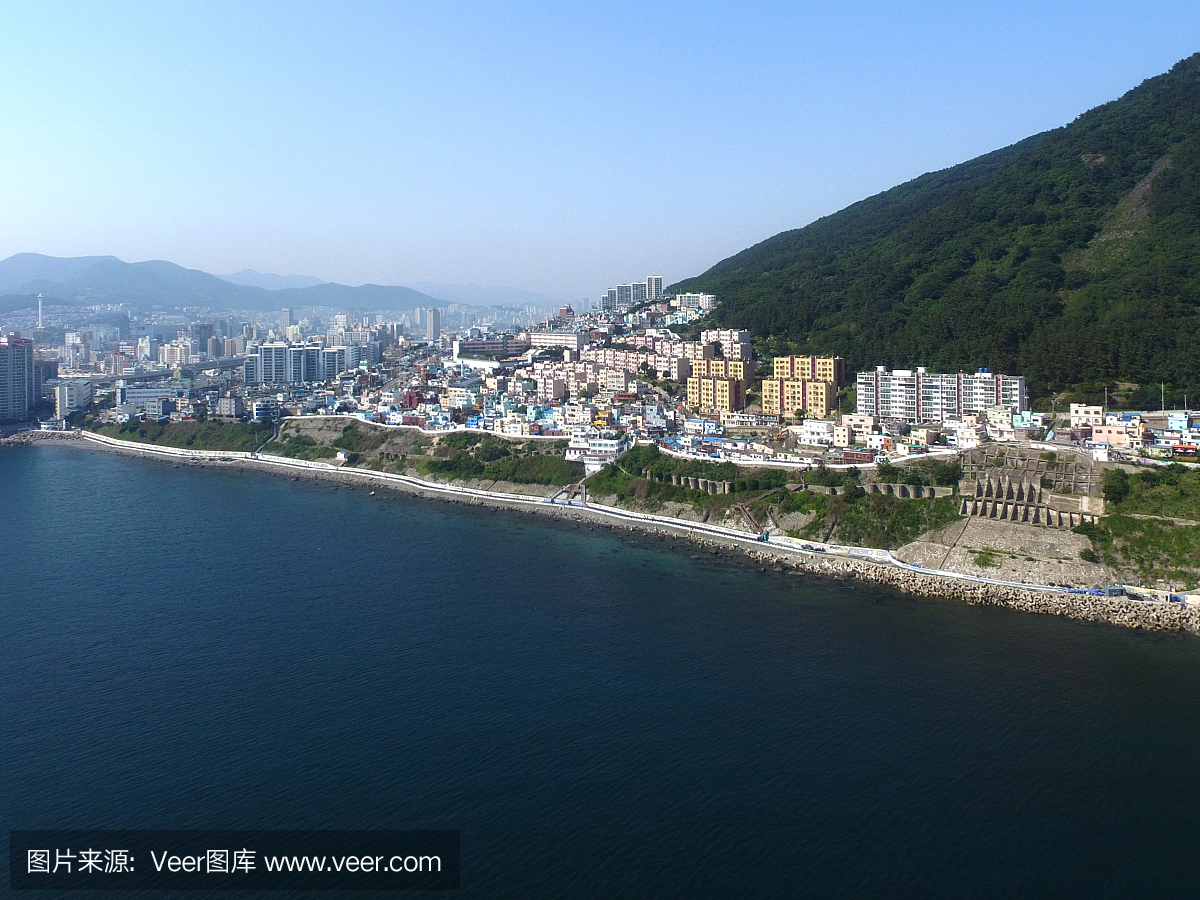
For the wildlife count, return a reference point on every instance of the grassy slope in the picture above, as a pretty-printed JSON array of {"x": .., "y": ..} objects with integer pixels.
[
  {"x": 234, "y": 436},
  {"x": 1153, "y": 548},
  {"x": 868, "y": 520},
  {"x": 456, "y": 456}
]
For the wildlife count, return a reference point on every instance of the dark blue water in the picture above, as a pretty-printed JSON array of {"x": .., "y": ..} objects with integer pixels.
[{"x": 601, "y": 716}]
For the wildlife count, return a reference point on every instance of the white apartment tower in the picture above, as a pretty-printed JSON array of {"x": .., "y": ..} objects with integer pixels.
[
  {"x": 921, "y": 396},
  {"x": 273, "y": 362}
]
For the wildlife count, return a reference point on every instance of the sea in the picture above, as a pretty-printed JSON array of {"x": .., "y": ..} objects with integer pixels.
[{"x": 600, "y": 714}]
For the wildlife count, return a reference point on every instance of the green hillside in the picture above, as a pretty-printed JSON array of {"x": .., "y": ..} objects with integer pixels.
[{"x": 1072, "y": 257}]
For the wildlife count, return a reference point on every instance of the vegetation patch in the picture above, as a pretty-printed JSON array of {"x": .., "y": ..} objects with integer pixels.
[
  {"x": 208, "y": 435},
  {"x": 1169, "y": 491},
  {"x": 463, "y": 456},
  {"x": 646, "y": 475},
  {"x": 927, "y": 473},
  {"x": 886, "y": 522},
  {"x": 360, "y": 440},
  {"x": 987, "y": 558},
  {"x": 1153, "y": 549},
  {"x": 301, "y": 446}
]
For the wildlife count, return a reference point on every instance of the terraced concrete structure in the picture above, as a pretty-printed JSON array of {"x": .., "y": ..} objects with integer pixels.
[{"x": 1016, "y": 485}]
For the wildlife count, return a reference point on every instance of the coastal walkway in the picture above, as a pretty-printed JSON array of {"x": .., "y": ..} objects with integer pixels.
[{"x": 775, "y": 543}]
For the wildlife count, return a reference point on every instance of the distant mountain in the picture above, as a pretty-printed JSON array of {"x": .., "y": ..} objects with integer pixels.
[
  {"x": 92, "y": 279},
  {"x": 154, "y": 281},
  {"x": 480, "y": 295},
  {"x": 1072, "y": 257},
  {"x": 270, "y": 281},
  {"x": 364, "y": 296},
  {"x": 26, "y": 267}
]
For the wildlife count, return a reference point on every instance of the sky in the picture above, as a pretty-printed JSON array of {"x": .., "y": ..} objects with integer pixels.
[{"x": 560, "y": 148}]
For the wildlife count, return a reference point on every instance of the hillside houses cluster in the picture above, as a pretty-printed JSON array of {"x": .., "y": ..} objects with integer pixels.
[{"x": 603, "y": 379}]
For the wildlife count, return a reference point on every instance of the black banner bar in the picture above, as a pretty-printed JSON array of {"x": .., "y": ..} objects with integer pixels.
[{"x": 233, "y": 860}]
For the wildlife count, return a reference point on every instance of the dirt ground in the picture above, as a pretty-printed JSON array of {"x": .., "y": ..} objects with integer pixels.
[{"x": 1022, "y": 553}]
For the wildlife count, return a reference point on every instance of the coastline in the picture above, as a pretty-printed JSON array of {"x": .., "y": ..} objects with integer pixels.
[{"x": 844, "y": 563}]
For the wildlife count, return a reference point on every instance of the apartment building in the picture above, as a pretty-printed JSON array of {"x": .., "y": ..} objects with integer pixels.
[
  {"x": 844, "y": 435},
  {"x": 714, "y": 392},
  {"x": 17, "y": 394},
  {"x": 278, "y": 362},
  {"x": 735, "y": 343},
  {"x": 922, "y": 396},
  {"x": 702, "y": 302},
  {"x": 743, "y": 370},
  {"x": 571, "y": 340},
  {"x": 784, "y": 396},
  {"x": 811, "y": 368}
]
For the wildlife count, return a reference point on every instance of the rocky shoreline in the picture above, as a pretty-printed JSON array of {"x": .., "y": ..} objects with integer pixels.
[{"x": 1144, "y": 615}]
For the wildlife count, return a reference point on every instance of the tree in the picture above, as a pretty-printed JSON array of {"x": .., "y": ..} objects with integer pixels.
[{"x": 1116, "y": 485}]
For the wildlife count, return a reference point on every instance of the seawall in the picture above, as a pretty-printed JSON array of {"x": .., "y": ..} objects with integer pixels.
[{"x": 863, "y": 564}]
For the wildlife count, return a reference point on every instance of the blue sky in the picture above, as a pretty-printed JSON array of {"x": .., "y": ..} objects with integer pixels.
[{"x": 555, "y": 147}]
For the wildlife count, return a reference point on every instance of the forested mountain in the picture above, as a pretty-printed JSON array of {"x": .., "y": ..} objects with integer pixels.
[{"x": 1072, "y": 257}]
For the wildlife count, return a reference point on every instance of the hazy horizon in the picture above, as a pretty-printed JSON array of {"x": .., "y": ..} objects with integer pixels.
[{"x": 526, "y": 149}]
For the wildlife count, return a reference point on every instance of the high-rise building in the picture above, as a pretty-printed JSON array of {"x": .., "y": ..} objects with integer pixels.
[
  {"x": 654, "y": 289},
  {"x": 147, "y": 348},
  {"x": 624, "y": 294},
  {"x": 433, "y": 324},
  {"x": 273, "y": 363},
  {"x": 200, "y": 332},
  {"x": 45, "y": 368},
  {"x": 17, "y": 395},
  {"x": 303, "y": 363},
  {"x": 921, "y": 396},
  {"x": 285, "y": 320}
]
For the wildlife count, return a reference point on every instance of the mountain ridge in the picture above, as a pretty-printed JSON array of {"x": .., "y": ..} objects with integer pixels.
[
  {"x": 94, "y": 279},
  {"x": 271, "y": 281}
]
